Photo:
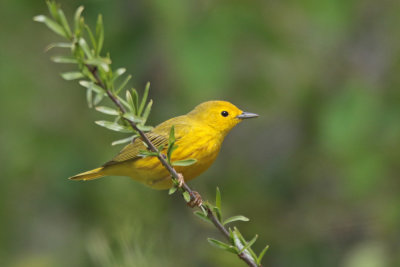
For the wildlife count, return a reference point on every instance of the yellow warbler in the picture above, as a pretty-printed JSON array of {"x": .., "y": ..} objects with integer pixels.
[{"x": 199, "y": 135}]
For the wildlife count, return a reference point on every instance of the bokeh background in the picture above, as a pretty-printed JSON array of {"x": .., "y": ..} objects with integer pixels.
[{"x": 317, "y": 173}]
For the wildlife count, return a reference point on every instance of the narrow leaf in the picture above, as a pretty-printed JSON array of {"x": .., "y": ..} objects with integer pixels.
[
  {"x": 52, "y": 6},
  {"x": 114, "y": 126},
  {"x": 185, "y": 162},
  {"x": 124, "y": 83},
  {"x": 77, "y": 18},
  {"x": 100, "y": 62},
  {"x": 73, "y": 75},
  {"x": 170, "y": 149},
  {"x": 145, "y": 128},
  {"x": 129, "y": 100},
  {"x": 85, "y": 48},
  {"x": 91, "y": 37},
  {"x": 222, "y": 245},
  {"x": 98, "y": 98},
  {"x": 132, "y": 117},
  {"x": 146, "y": 112},
  {"x": 249, "y": 244},
  {"x": 99, "y": 34},
  {"x": 260, "y": 257},
  {"x": 64, "y": 23},
  {"x": 59, "y": 45},
  {"x": 135, "y": 99},
  {"x": 54, "y": 26},
  {"x": 217, "y": 211},
  {"x": 92, "y": 86},
  {"x": 202, "y": 216},
  {"x": 236, "y": 218},
  {"x": 144, "y": 98},
  {"x": 118, "y": 73},
  {"x": 107, "y": 110},
  {"x": 218, "y": 198},
  {"x": 64, "y": 59},
  {"x": 146, "y": 153},
  {"x": 171, "y": 138},
  {"x": 123, "y": 141},
  {"x": 89, "y": 97}
]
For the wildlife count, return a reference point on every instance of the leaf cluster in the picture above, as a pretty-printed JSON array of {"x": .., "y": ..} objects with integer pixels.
[
  {"x": 237, "y": 243},
  {"x": 95, "y": 73}
]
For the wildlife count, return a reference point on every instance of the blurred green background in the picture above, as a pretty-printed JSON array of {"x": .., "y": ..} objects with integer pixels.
[{"x": 317, "y": 173}]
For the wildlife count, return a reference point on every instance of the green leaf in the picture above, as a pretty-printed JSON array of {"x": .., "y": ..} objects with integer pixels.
[
  {"x": 146, "y": 153},
  {"x": 99, "y": 34},
  {"x": 144, "y": 98},
  {"x": 217, "y": 211},
  {"x": 132, "y": 117},
  {"x": 186, "y": 196},
  {"x": 53, "y": 8},
  {"x": 172, "y": 190},
  {"x": 218, "y": 198},
  {"x": 239, "y": 235},
  {"x": 85, "y": 48},
  {"x": 92, "y": 86},
  {"x": 123, "y": 141},
  {"x": 64, "y": 23},
  {"x": 202, "y": 216},
  {"x": 129, "y": 100},
  {"x": 123, "y": 84},
  {"x": 146, "y": 112},
  {"x": 73, "y": 75},
  {"x": 144, "y": 128},
  {"x": 89, "y": 97},
  {"x": 77, "y": 18},
  {"x": 59, "y": 45},
  {"x": 100, "y": 62},
  {"x": 98, "y": 98},
  {"x": 118, "y": 73},
  {"x": 185, "y": 162},
  {"x": 120, "y": 99},
  {"x": 171, "y": 139},
  {"x": 54, "y": 26},
  {"x": 249, "y": 244},
  {"x": 170, "y": 149},
  {"x": 91, "y": 36},
  {"x": 107, "y": 110},
  {"x": 135, "y": 98},
  {"x": 114, "y": 126},
  {"x": 260, "y": 257},
  {"x": 236, "y": 218},
  {"x": 64, "y": 59},
  {"x": 222, "y": 245}
]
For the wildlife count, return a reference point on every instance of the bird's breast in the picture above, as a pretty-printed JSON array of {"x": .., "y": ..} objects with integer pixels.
[{"x": 203, "y": 146}]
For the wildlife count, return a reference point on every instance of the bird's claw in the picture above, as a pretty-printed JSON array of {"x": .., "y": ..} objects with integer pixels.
[
  {"x": 181, "y": 180},
  {"x": 196, "y": 201}
]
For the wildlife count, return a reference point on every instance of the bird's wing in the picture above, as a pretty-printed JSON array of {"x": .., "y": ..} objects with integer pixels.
[{"x": 159, "y": 137}]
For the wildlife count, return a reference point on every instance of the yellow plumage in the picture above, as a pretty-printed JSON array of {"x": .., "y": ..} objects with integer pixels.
[{"x": 199, "y": 135}]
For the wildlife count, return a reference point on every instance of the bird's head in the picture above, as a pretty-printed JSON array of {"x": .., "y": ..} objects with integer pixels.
[{"x": 220, "y": 115}]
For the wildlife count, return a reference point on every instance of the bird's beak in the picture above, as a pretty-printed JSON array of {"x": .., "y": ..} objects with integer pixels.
[{"x": 247, "y": 115}]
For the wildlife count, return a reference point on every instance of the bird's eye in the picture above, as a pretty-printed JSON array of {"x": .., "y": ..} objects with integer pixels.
[{"x": 224, "y": 113}]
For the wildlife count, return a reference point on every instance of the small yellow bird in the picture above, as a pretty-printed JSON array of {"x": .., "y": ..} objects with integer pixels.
[{"x": 199, "y": 135}]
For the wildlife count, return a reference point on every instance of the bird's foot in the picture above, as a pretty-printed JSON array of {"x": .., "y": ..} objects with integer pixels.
[
  {"x": 197, "y": 201},
  {"x": 181, "y": 180}
]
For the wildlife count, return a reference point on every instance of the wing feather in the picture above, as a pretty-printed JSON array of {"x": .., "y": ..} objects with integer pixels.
[{"x": 159, "y": 137}]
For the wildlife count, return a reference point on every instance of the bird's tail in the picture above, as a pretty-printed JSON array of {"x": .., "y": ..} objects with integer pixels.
[{"x": 89, "y": 175}]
